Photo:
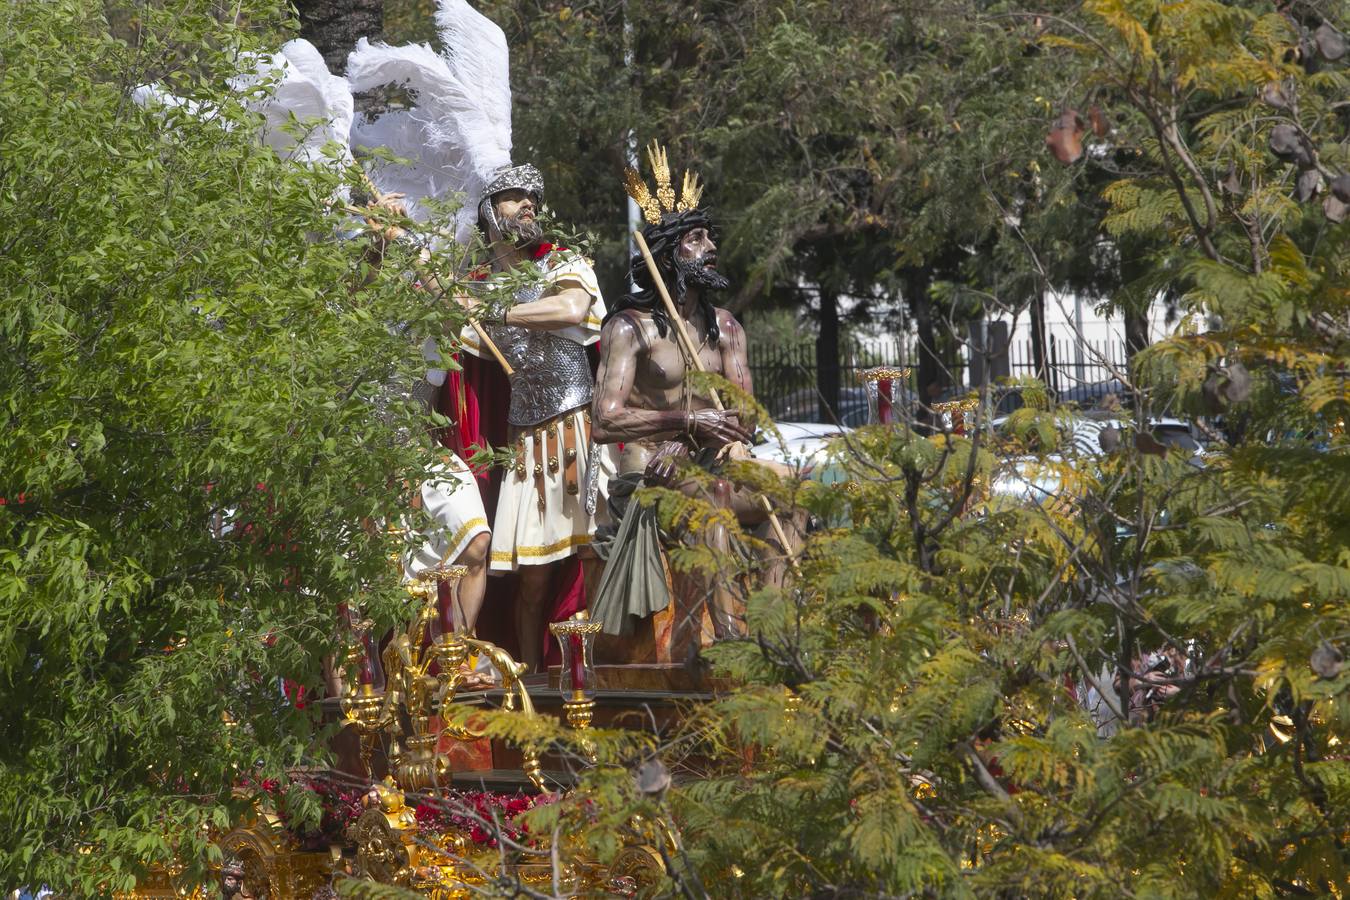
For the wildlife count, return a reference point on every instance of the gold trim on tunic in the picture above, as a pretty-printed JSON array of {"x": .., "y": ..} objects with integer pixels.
[{"x": 575, "y": 540}]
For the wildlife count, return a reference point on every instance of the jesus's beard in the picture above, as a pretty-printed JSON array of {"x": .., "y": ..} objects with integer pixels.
[
  {"x": 697, "y": 273},
  {"x": 524, "y": 234}
]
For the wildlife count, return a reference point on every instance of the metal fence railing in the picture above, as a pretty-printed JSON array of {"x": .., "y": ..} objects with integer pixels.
[{"x": 788, "y": 383}]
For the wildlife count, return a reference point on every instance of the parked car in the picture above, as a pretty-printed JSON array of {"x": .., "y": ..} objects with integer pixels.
[
  {"x": 803, "y": 407},
  {"x": 1085, "y": 394},
  {"x": 1032, "y": 479},
  {"x": 803, "y": 444}
]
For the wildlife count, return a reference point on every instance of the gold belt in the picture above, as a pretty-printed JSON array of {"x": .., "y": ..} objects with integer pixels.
[{"x": 549, "y": 450}]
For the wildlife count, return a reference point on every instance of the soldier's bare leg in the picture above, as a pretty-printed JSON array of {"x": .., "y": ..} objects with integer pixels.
[
  {"x": 474, "y": 584},
  {"x": 536, "y": 583}
]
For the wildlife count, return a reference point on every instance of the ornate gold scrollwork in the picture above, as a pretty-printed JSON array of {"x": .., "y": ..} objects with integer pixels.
[
  {"x": 635, "y": 868},
  {"x": 381, "y": 854},
  {"x": 257, "y": 853}
]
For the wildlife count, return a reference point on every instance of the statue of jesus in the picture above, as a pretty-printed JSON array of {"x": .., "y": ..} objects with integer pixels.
[{"x": 645, "y": 400}]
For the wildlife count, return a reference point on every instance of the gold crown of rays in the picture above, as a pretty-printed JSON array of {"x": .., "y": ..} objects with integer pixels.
[{"x": 662, "y": 201}]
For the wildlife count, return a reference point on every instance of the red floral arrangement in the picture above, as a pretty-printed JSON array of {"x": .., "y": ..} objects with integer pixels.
[
  {"x": 341, "y": 806},
  {"x": 474, "y": 811},
  {"x": 467, "y": 812}
]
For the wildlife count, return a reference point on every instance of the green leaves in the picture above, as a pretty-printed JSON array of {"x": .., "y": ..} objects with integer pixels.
[{"x": 190, "y": 384}]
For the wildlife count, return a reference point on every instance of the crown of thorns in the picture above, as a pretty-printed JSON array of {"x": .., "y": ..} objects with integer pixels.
[{"x": 662, "y": 201}]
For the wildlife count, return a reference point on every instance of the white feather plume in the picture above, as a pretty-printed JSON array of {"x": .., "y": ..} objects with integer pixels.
[
  {"x": 458, "y": 132},
  {"x": 152, "y": 95},
  {"x": 301, "y": 91},
  {"x": 320, "y": 100},
  {"x": 451, "y": 141},
  {"x": 479, "y": 58}
]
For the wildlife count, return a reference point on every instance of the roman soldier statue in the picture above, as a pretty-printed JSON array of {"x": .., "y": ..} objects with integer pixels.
[
  {"x": 447, "y": 518},
  {"x": 537, "y": 306},
  {"x": 449, "y": 138},
  {"x": 541, "y": 306}
]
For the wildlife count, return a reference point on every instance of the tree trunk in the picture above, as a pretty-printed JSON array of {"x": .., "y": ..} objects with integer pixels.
[
  {"x": 930, "y": 381},
  {"x": 334, "y": 26},
  {"x": 1136, "y": 331},
  {"x": 1039, "y": 357},
  {"x": 827, "y": 357}
]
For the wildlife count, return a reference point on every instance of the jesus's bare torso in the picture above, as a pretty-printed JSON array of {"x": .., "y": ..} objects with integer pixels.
[{"x": 643, "y": 384}]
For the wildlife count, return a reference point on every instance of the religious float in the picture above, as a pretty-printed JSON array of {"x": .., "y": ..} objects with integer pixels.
[{"x": 423, "y": 793}]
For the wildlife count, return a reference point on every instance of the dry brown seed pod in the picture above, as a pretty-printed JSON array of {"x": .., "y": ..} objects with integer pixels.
[
  {"x": 1238, "y": 384},
  {"x": 1272, "y": 93},
  {"x": 1309, "y": 180},
  {"x": 1340, "y": 186},
  {"x": 1147, "y": 443},
  {"x": 1327, "y": 660},
  {"x": 1289, "y": 145},
  {"x": 653, "y": 777},
  {"x": 1334, "y": 209},
  {"x": 1065, "y": 139},
  {"x": 1099, "y": 124},
  {"x": 1329, "y": 42}
]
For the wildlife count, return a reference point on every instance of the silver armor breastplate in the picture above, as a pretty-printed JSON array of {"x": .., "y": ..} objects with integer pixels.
[{"x": 552, "y": 374}]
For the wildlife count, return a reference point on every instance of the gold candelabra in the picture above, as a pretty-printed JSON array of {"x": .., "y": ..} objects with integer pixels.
[
  {"x": 424, "y": 668},
  {"x": 369, "y": 710}
]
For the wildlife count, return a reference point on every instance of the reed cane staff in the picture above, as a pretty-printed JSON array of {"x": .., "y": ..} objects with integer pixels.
[
  {"x": 697, "y": 362},
  {"x": 377, "y": 197}
]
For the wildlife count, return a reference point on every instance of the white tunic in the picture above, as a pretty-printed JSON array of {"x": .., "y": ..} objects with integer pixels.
[
  {"x": 449, "y": 497},
  {"x": 541, "y": 510},
  {"x": 448, "y": 494}
]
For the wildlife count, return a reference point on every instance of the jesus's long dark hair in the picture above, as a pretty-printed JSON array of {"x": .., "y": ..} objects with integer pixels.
[{"x": 663, "y": 240}]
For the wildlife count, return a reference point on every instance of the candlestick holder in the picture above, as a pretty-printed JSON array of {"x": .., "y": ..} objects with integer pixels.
[
  {"x": 449, "y": 650},
  {"x": 577, "y": 679},
  {"x": 956, "y": 411},
  {"x": 422, "y": 668},
  {"x": 409, "y": 663},
  {"x": 883, "y": 385},
  {"x": 579, "y": 713},
  {"x": 366, "y": 705},
  {"x": 576, "y": 637}
]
